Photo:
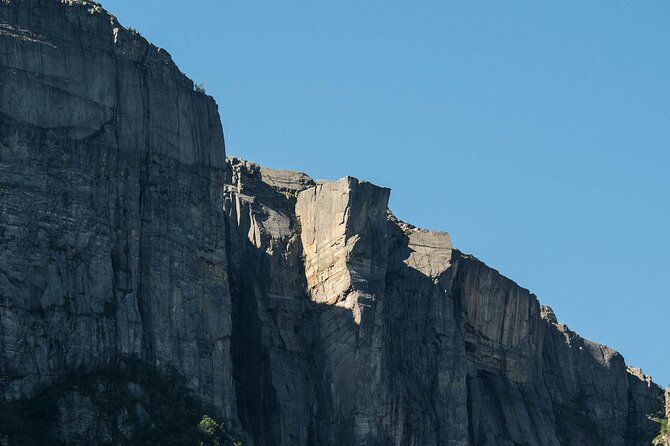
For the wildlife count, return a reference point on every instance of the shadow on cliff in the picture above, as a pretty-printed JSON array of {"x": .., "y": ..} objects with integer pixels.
[
  {"x": 276, "y": 361},
  {"x": 306, "y": 373}
]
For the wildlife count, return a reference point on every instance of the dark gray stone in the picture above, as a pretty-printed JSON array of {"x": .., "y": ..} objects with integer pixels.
[
  {"x": 304, "y": 311},
  {"x": 111, "y": 201}
]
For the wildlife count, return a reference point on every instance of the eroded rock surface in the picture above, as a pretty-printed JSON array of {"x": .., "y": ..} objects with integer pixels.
[{"x": 302, "y": 310}]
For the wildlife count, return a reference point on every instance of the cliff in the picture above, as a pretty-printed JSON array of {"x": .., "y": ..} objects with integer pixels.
[{"x": 141, "y": 267}]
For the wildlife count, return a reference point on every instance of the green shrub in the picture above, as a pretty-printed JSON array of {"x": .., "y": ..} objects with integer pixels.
[
  {"x": 296, "y": 228},
  {"x": 663, "y": 431},
  {"x": 214, "y": 433}
]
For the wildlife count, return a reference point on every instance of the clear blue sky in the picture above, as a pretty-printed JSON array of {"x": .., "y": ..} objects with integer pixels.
[{"x": 537, "y": 133}]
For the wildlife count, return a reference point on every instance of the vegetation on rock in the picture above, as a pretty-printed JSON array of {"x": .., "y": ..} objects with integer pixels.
[
  {"x": 663, "y": 432},
  {"x": 126, "y": 403}
]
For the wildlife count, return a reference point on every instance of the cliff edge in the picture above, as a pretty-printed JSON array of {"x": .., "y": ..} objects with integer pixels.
[{"x": 152, "y": 288}]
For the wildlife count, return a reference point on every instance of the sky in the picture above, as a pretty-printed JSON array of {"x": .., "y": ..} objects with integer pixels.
[{"x": 536, "y": 133}]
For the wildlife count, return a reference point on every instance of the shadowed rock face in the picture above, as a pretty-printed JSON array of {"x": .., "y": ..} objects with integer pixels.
[
  {"x": 111, "y": 196},
  {"x": 303, "y": 310}
]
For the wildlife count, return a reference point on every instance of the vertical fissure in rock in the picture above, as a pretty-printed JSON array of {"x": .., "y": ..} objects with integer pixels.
[
  {"x": 145, "y": 237},
  {"x": 255, "y": 395}
]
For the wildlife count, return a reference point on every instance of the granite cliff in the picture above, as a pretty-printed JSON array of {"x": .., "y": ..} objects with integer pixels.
[{"x": 135, "y": 254}]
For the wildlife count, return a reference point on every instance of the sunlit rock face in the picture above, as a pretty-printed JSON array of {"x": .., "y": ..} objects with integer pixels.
[
  {"x": 345, "y": 242},
  {"x": 303, "y": 311}
]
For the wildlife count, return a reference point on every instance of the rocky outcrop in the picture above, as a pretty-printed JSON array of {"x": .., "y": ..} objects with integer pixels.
[
  {"x": 344, "y": 242},
  {"x": 302, "y": 312},
  {"x": 329, "y": 349},
  {"x": 409, "y": 341}
]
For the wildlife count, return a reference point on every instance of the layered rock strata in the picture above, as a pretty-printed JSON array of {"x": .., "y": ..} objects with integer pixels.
[{"x": 302, "y": 310}]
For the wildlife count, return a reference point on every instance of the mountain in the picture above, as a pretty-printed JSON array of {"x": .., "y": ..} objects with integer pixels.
[{"x": 154, "y": 291}]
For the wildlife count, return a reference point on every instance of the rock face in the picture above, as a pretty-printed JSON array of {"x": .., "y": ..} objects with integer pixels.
[
  {"x": 345, "y": 250},
  {"x": 112, "y": 231},
  {"x": 303, "y": 311},
  {"x": 335, "y": 338}
]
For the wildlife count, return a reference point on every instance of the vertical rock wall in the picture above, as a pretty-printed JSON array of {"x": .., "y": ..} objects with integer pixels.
[
  {"x": 111, "y": 195},
  {"x": 272, "y": 327},
  {"x": 336, "y": 338}
]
